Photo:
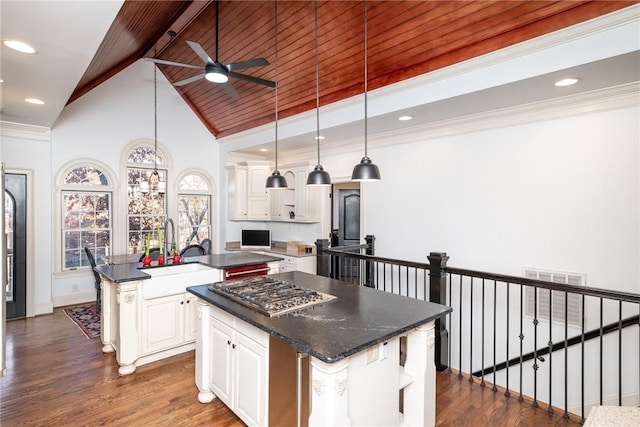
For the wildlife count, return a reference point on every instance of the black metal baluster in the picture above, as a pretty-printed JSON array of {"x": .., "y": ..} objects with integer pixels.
[
  {"x": 550, "y": 344},
  {"x": 566, "y": 357},
  {"x": 450, "y": 324},
  {"x": 521, "y": 336},
  {"x": 507, "y": 392},
  {"x": 535, "y": 347},
  {"x": 471, "y": 331},
  {"x": 460, "y": 311},
  {"x": 601, "y": 348},
  {"x": 384, "y": 277},
  {"x": 495, "y": 311},
  {"x": 619, "y": 353},
  {"x": 482, "y": 383},
  {"x": 582, "y": 362}
]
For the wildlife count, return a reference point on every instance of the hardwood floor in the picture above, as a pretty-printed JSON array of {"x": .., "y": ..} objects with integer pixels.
[{"x": 58, "y": 377}]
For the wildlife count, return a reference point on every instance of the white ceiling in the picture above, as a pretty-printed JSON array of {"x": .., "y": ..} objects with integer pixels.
[{"x": 66, "y": 35}]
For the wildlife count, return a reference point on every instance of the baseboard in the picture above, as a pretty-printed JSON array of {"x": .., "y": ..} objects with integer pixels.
[
  {"x": 73, "y": 299},
  {"x": 628, "y": 399}
]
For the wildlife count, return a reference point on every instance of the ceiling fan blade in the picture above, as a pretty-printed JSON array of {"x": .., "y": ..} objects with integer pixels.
[
  {"x": 200, "y": 51},
  {"x": 189, "y": 80},
  {"x": 179, "y": 64},
  {"x": 257, "y": 62},
  {"x": 252, "y": 79},
  {"x": 229, "y": 89}
]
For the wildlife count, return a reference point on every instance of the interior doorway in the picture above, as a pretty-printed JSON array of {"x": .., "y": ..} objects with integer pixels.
[
  {"x": 345, "y": 230},
  {"x": 15, "y": 207}
]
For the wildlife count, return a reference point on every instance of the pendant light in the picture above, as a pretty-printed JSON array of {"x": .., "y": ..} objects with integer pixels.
[
  {"x": 154, "y": 180},
  {"x": 318, "y": 176},
  {"x": 366, "y": 170},
  {"x": 276, "y": 180}
]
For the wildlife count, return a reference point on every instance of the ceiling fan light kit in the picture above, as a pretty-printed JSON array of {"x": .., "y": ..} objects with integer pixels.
[
  {"x": 318, "y": 176},
  {"x": 276, "y": 180},
  {"x": 215, "y": 74},
  {"x": 366, "y": 170}
]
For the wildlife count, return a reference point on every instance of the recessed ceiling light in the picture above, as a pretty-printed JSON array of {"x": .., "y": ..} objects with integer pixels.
[
  {"x": 319, "y": 137},
  {"x": 34, "y": 101},
  {"x": 404, "y": 118},
  {"x": 19, "y": 46},
  {"x": 567, "y": 82},
  {"x": 263, "y": 150}
]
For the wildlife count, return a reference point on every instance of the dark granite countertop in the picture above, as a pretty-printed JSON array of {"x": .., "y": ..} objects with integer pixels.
[
  {"x": 357, "y": 319},
  {"x": 129, "y": 272}
]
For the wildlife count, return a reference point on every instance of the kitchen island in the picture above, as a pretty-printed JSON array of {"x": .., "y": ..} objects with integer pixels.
[
  {"x": 370, "y": 352},
  {"x": 147, "y": 315}
]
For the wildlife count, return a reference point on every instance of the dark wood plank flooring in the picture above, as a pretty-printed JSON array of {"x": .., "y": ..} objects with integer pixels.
[{"x": 57, "y": 377}]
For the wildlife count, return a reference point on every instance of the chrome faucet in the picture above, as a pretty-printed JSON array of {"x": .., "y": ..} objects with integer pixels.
[{"x": 166, "y": 238}]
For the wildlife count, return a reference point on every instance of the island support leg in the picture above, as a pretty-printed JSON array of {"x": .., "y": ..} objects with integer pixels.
[
  {"x": 420, "y": 395},
  {"x": 126, "y": 301},
  {"x": 106, "y": 311},
  {"x": 203, "y": 354},
  {"x": 329, "y": 393}
]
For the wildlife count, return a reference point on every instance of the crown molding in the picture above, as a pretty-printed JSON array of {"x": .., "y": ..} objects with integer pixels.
[{"x": 22, "y": 131}]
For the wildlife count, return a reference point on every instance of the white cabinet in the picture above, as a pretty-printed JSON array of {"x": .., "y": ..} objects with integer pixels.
[
  {"x": 292, "y": 263},
  {"x": 239, "y": 361},
  {"x": 168, "y": 322},
  {"x": 247, "y": 197}
]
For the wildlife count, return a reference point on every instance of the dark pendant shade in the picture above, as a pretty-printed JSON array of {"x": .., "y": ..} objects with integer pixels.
[
  {"x": 365, "y": 171},
  {"x": 319, "y": 176},
  {"x": 276, "y": 180}
]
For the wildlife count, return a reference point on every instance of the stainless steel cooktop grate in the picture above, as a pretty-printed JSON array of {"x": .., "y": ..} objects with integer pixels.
[{"x": 268, "y": 295}]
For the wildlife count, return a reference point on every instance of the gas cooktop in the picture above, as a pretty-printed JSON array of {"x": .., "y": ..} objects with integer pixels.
[{"x": 269, "y": 296}]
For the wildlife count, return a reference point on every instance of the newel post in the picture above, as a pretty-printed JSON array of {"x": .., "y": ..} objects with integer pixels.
[
  {"x": 370, "y": 250},
  {"x": 438, "y": 294},
  {"x": 322, "y": 258}
]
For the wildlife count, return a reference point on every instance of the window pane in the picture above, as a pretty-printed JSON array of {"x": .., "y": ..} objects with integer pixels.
[
  {"x": 86, "y": 175},
  {"x": 146, "y": 212},
  {"x": 193, "y": 219},
  {"x": 145, "y": 155},
  {"x": 193, "y": 182},
  {"x": 86, "y": 222}
]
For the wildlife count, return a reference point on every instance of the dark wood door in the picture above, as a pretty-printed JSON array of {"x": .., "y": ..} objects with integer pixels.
[
  {"x": 15, "y": 206},
  {"x": 349, "y": 227}
]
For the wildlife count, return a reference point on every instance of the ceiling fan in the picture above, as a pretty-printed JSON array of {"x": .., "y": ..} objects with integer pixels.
[{"x": 217, "y": 72}]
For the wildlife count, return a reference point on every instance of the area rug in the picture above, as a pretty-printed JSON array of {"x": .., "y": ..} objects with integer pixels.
[{"x": 87, "y": 319}]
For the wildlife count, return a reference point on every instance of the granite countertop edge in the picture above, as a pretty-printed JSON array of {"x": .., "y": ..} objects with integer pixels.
[{"x": 276, "y": 326}]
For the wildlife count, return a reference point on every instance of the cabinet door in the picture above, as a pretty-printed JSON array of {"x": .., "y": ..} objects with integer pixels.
[
  {"x": 250, "y": 380},
  {"x": 190, "y": 317},
  {"x": 258, "y": 180},
  {"x": 162, "y": 323},
  {"x": 237, "y": 194},
  {"x": 275, "y": 211},
  {"x": 221, "y": 337},
  {"x": 258, "y": 208}
]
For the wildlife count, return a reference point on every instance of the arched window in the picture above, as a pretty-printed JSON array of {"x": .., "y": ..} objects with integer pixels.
[
  {"x": 146, "y": 210},
  {"x": 86, "y": 215},
  {"x": 194, "y": 209}
]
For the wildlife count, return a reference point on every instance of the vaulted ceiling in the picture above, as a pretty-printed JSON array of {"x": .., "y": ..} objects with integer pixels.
[{"x": 405, "y": 39}]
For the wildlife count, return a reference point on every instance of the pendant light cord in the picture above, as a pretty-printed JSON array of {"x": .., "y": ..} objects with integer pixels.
[
  {"x": 155, "y": 118},
  {"x": 276, "y": 76},
  {"x": 317, "y": 85},
  {"x": 366, "y": 78}
]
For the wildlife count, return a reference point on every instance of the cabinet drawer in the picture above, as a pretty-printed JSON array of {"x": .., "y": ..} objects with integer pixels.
[
  {"x": 221, "y": 315},
  {"x": 255, "y": 334}
]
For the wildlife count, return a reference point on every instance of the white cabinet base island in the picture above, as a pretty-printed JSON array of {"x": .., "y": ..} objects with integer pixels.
[
  {"x": 147, "y": 313},
  {"x": 360, "y": 357}
]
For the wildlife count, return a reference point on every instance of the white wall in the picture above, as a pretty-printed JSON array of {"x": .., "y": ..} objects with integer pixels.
[
  {"x": 100, "y": 124},
  {"x": 556, "y": 194},
  {"x": 29, "y": 152}
]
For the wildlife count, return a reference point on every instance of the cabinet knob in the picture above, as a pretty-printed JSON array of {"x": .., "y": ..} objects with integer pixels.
[
  {"x": 181, "y": 302},
  {"x": 233, "y": 346},
  {"x": 228, "y": 342}
]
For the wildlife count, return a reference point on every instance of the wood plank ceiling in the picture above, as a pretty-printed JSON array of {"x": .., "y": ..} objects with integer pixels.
[{"x": 406, "y": 38}]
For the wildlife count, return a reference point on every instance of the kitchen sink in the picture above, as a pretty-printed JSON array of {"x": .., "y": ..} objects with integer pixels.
[{"x": 174, "y": 279}]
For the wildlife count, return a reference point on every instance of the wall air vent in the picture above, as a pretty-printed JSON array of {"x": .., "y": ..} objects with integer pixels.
[{"x": 551, "y": 305}]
